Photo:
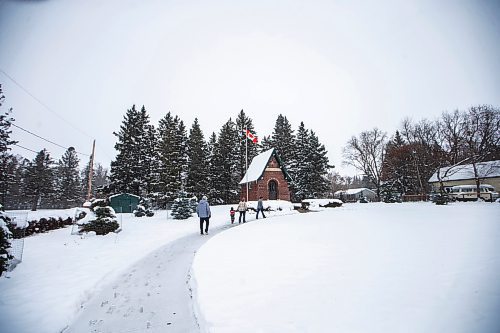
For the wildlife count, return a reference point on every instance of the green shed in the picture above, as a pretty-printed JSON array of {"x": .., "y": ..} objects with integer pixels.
[{"x": 124, "y": 203}]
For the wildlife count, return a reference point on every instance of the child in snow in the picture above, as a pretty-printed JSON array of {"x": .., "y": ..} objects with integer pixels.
[{"x": 231, "y": 213}]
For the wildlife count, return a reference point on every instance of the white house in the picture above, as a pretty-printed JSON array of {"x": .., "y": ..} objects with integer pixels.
[
  {"x": 354, "y": 194},
  {"x": 488, "y": 173}
]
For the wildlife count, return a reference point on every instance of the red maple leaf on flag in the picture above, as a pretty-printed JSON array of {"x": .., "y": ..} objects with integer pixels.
[{"x": 250, "y": 136}]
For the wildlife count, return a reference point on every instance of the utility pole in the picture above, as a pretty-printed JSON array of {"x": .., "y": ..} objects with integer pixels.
[{"x": 91, "y": 172}]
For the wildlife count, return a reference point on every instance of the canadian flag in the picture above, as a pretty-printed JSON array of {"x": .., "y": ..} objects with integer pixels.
[{"x": 250, "y": 136}]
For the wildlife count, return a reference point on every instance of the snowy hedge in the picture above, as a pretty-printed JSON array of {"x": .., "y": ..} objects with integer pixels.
[{"x": 40, "y": 222}]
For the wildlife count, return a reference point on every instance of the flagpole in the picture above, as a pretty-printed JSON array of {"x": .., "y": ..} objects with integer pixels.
[{"x": 246, "y": 157}]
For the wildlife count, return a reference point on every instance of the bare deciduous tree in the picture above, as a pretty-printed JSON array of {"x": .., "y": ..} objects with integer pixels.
[{"x": 366, "y": 153}]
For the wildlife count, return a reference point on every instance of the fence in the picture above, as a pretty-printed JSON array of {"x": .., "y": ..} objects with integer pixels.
[{"x": 414, "y": 197}]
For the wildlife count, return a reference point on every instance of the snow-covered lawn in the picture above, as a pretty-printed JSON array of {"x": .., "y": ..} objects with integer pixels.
[
  {"x": 413, "y": 267},
  {"x": 61, "y": 271}
]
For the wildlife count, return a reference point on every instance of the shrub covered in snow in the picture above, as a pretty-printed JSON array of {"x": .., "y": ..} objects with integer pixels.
[
  {"x": 105, "y": 221},
  {"x": 181, "y": 208},
  {"x": 5, "y": 235},
  {"x": 141, "y": 211}
]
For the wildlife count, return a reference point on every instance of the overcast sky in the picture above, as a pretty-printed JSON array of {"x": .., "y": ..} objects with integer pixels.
[{"x": 340, "y": 66}]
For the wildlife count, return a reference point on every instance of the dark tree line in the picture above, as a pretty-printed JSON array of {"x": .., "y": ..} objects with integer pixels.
[
  {"x": 404, "y": 162},
  {"x": 184, "y": 161},
  {"x": 41, "y": 182}
]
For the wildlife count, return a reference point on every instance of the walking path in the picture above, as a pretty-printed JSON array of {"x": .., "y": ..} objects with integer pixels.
[{"x": 153, "y": 296}]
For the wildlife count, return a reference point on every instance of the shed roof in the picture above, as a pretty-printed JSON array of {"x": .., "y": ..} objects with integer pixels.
[
  {"x": 462, "y": 172},
  {"x": 122, "y": 194},
  {"x": 258, "y": 166}
]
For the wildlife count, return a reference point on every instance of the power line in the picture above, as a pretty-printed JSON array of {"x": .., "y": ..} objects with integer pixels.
[
  {"x": 41, "y": 103},
  {"x": 26, "y": 148},
  {"x": 38, "y": 136}
]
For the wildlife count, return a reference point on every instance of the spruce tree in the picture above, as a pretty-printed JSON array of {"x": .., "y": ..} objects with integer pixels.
[
  {"x": 39, "y": 179},
  {"x": 245, "y": 147},
  {"x": 212, "y": 170},
  {"x": 68, "y": 180},
  {"x": 105, "y": 221},
  {"x": 299, "y": 168},
  {"x": 266, "y": 143},
  {"x": 226, "y": 174},
  {"x": 6, "y": 177},
  {"x": 196, "y": 183},
  {"x": 181, "y": 208},
  {"x": 131, "y": 171},
  {"x": 283, "y": 140},
  {"x": 319, "y": 166},
  {"x": 173, "y": 157},
  {"x": 5, "y": 246}
]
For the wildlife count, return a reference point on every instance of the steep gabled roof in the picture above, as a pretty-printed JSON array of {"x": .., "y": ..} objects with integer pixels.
[
  {"x": 462, "y": 172},
  {"x": 259, "y": 164}
]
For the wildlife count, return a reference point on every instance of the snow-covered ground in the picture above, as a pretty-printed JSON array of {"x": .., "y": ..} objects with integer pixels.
[
  {"x": 412, "y": 267},
  {"x": 61, "y": 271}
]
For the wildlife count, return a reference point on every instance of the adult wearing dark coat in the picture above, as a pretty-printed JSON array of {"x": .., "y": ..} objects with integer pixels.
[
  {"x": 260, "y": 208},
  {"x": 203, "y": 211}
]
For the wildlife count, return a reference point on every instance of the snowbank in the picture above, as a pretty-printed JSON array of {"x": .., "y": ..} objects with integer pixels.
[{"x": 412, "y": 267}]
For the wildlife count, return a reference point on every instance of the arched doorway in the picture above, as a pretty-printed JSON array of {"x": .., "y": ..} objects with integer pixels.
[{"x": 273, "y": 189}]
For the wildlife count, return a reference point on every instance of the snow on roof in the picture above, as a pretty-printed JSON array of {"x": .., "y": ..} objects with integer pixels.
[
  {"x": 257, "y": 167},
  {"x": 485, "y": 170},
  {"x": 354, "y": 191},
  {"x": 116, "y": 195}
]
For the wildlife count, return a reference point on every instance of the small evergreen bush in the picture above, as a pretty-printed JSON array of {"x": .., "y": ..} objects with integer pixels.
[
  {"x": 5, "y": 235},
  {"x": 105, "y": 221},
  {"x": 181, "y": 208}
]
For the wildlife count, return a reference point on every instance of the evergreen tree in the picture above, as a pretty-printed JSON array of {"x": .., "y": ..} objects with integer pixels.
[
  {"x": 226, "y": 174},
  {"x": 181, "y": 208},
  {"x": 15, "y": 198},
  {"x": 266, "y": 143},
  {"x": 173, "y": 157},
  {"x": 196, "y": 183},
  {"x": 105, "y": 221},
  {"x": 299, "y": 168},
  {"x": 318, "y": 167},
  {"x": 131, "y": 171},
  {"x": 310, "y": 166},
  {"x": 5, "y": 246},
  {"x": 244, "y": 123},
  {"x": 398, "y": 172},
  {"x": 283, "y": 140},
  {"x": 212, "y": 170},
  {"x": 5, "y": 141},
  {"x": 39, "y": 179},
  {"x": 68, "y": 180}
]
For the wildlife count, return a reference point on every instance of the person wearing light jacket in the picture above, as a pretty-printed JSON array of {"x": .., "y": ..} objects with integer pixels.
[
  {"x": 203, "y": 211},
  {"x": 242, "y": 209}
]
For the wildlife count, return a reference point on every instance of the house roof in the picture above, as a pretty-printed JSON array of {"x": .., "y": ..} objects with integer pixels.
[
  {"x": 258, "y": 166},
  {"x": 462, "y": 172},
  {"x": 354, "y": 191}
]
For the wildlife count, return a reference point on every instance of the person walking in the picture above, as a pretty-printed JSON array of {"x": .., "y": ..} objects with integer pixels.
[
  {"x": 242, "y": 209},
  {"x": 260, "y": 208},
  {"x": 231, "y": 214},
  {"x": 203, "y": 211}
]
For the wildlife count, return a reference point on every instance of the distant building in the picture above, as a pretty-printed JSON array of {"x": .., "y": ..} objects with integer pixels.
[
  {"x": 124, "y": 203},
  {"x": 488, "y": 172},
  {"x": 266, "y": 177},
  {"x": 354, "y": 194}
]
